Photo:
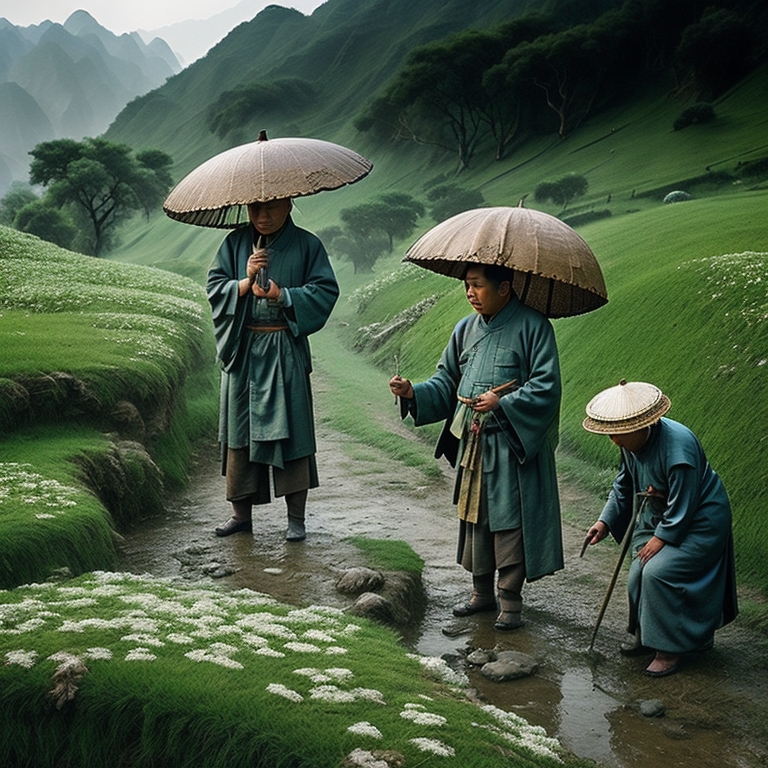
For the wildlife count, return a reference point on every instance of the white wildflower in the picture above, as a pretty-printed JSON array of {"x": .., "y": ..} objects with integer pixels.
[
  {"x": 98, "y": 653},
  {"x": 21, "y": 658},
  {"x": 434, "y": 746},
  {"x": 140, "y": 654},
  {"x": 179, "y": 639},
  {"x": 332, "y": 693},
  {"x": 371, "y": 694},
  {"x": 144, "y": 639},
  {"x": 286, "y": 693},
  {"x": 302, "y": 647},
  {"x": 270, "y": 652},
  {"x": 422, "y": 718},
  {"x": 364, "y": 728},
  {"x": 335, "y": 650}
]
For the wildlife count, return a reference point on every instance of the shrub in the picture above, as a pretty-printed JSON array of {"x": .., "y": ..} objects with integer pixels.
[{"x": 703, "y": 112}]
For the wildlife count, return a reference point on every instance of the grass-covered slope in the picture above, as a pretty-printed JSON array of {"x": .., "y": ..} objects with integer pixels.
[
  {"x": 117, "y": 669},
  {"x": 688, "y": 311},
  {"x": 106, "y": 371}
]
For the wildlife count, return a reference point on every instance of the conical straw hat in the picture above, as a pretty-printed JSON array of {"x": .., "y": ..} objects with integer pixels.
[{"x": 625, "y": 408}]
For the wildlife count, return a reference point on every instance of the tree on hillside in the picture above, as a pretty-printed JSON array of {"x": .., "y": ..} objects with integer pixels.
[
  {"x": 237, "y": 108},
  {"x": 369, "y": 230},
  {"x": 447, "y": 200},
  {"x": 507, "y": 107},
  {"x": 100, "y": 183},
  {"x": 562, "y": 190},
  {"x": 715, "y": 52},
  {"x": 436, "y": 97},
  {"x": 361, "y": 247},
  {"x": 19, "y": 195},
  {"x": 46, "y": 222}
]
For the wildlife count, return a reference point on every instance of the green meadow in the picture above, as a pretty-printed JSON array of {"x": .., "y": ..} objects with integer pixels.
[{"x": 108, "y": 377}]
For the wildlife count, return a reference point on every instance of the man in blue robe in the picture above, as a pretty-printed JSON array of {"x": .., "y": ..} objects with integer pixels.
[
  {"x": 498, "y": 387},
  {"x": 682, "y": 581},
  {"x": 261, "y": 326}
]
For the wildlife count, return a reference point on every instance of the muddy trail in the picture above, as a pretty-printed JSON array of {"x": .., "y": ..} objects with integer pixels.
[{"x": 714, "y": 708}]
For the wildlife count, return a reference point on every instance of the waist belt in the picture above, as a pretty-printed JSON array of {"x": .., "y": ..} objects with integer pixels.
[{"x": 271, "y": 328}]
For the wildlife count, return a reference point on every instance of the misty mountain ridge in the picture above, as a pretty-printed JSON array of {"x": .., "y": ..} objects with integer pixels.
[
  {"x": 69, "y": 81},
  {"x": 190, "y": 40}
]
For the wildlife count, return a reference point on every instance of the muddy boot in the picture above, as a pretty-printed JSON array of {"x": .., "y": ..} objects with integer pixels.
[
  {"x": 240, "y": 522},
  {"x": 510, "y": 598},
  {"x": 296, "y": 503},
  {"x": 482, "y": 598}
]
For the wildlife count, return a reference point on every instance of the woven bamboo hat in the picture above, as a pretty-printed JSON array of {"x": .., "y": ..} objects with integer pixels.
[
  {"x": 625, "y": 408},
  {"x": 554, "y": 269}
]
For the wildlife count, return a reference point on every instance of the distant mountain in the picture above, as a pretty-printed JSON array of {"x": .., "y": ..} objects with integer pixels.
[
  {"x": 69, "y": 81},
  {"x": 192, "y": 39},
  {"x": 340, "y": 55}
]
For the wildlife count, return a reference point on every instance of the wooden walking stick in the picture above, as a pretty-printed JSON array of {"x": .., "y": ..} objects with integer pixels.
[{"x": 624, "y": 549}]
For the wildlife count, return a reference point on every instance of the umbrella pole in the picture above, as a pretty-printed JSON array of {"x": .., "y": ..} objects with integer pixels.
[{"x": 617, "y": 569}]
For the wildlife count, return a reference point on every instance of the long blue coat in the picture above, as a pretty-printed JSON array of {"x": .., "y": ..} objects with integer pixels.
[
  {"x": 520, "y": 437},
  {"x": 688, "y": 589},
  {"x": 266, "y": 399}
]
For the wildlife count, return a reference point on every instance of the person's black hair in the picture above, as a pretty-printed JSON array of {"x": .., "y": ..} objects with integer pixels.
[{"x": 496, "y": 273}]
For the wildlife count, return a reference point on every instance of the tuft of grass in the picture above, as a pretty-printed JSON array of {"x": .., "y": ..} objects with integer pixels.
[{"x": 388, "y": 555}]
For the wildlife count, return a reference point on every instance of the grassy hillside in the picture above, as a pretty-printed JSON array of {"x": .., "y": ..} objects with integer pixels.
[
  {"x": 106, "y": 376},
  {"x": 685, "y": 305}
]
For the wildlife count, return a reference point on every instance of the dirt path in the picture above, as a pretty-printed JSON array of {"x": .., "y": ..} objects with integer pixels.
[{"x": 714, "y": 707}]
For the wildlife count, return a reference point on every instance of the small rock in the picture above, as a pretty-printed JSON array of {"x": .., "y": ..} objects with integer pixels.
[
  {"x": 375, "y": 607},
  {"x": 273, "y": 571},
  {"x": 509, "y": 665},
  {"x": 457, "y": 627},
  {"x": 652, "y": 708},
  {"x": 480, "y": 656},
  {"x": 60, "y": 574},
  {"x": 354, "y": 581}
]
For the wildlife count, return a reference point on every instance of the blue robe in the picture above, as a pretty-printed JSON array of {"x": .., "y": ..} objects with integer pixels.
[
  {"x": 266, "y": 399},
  {"x": 688, "y": 589},
  {"x": 519, "y": 477}
]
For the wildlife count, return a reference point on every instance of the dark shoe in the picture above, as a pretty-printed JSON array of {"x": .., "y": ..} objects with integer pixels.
[
  {"x": 296, "y": 530},
  {"x": 672, "y": 661},
  {"x": 663, "y": 672},
  {"x": 474, "y": 606},
  {"x": 507, "y": 621},
  {"x": 234, "y": 526}
]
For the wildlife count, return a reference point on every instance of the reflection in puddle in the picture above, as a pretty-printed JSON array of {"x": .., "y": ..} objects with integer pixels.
[{"x": 584, "y": 727}]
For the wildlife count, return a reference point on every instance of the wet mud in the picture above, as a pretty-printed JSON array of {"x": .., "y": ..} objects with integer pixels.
[{"x": 714, "y": 709}]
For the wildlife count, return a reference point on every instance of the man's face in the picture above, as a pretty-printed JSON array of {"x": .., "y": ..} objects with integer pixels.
[
  {"x": 269, "y": 217},
  {"x": 482, "y": 294}
]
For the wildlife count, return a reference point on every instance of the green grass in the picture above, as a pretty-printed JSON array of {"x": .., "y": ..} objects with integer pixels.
[
  {"x": 389, "y": 555},
  {"x": 180, "y": 676},
  {"x": 93, "y": 341}
]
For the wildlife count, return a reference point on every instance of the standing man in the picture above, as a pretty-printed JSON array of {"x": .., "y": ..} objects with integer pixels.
[
  {"x": 498, "y": 387},
  {"x": 271, "y": 285}
]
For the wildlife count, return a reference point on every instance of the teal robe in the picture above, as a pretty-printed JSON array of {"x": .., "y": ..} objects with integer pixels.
[
  {"x": 688, "y": 589},
  {"x": 266, "y": 399},
  {"x": 519, "y": 479}
]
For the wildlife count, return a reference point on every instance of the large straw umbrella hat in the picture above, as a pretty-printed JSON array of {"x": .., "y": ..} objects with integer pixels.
[
  {"x": 555, "y": 270},
  {"x": 217, "y": 193},
  {"x": 625, "y": 408}
]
